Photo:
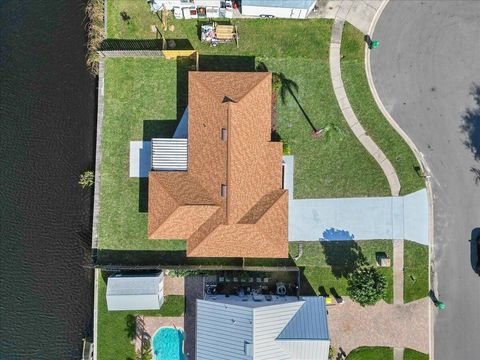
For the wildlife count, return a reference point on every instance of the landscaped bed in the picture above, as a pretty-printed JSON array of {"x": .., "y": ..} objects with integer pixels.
[
  {"x": 371, "y": 118},
  {"x": 371, "y": 353},
  {"x": 114, "y": 331},
  {"x": 328, "y": 264},
  {"x": 410, "y": 354},
  {"x": 415, "y": 283}
]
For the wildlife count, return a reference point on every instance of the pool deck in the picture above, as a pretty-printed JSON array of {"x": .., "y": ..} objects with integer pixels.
[{"x": 192, "y": 288}]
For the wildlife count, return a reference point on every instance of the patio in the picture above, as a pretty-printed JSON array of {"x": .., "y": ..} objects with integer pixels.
[{"x": 192, "y": 288}]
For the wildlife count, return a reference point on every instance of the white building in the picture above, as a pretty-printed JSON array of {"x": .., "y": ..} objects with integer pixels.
[
  {"x": 135, "y": 292},
  {"x": 254, "y": 328},
  {"x": 289, "y": 9}
]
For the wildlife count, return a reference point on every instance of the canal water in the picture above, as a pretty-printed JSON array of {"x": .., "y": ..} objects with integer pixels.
[{"x": 47, "y": 130}]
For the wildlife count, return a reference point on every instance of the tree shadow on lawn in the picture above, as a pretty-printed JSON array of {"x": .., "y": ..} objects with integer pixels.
[
  {"x": 287, "y": 86},
  {"x": 343, "y": 257},
  {"x": 471, "y": 124}
]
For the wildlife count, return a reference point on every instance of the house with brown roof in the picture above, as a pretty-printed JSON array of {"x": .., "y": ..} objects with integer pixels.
[{"x": 222, "y": 189}]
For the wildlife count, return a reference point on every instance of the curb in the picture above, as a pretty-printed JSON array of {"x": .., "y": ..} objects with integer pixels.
[{"x": 421, "y": 160}]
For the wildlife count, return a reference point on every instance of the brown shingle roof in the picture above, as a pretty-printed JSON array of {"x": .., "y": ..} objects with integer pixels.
[{"x": 251, "y": 220}]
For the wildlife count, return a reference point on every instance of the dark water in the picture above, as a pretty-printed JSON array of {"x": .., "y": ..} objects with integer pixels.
[{"x": 47, "y": 139}]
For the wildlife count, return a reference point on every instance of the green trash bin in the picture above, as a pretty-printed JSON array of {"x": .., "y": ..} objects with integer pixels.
[
  {"x": 440, "y": 305},
  {"x": 374, "y": 44}
]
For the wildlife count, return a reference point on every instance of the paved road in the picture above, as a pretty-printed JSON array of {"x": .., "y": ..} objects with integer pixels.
[{"x": 424, "y": 70}]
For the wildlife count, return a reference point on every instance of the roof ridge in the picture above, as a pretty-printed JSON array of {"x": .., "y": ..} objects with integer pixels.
[{"x": 256, "y": 85}]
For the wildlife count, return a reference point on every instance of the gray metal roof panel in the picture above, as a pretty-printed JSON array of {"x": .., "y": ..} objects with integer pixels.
[{"x": 310, "y": 321}]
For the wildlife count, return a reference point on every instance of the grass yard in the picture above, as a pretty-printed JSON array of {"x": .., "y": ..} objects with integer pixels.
[
  {"x": 371, "y": 353},
  {"x": 113, "y": 339},
  {"x": 364, "y": 106},
  {"x": 287, "y": 38},
  {"x": 327, "y": 264},
  {"x": 140, "y": 102},
  {"x": 410, "y": 354},
  {"x": 416, "y": 282}
]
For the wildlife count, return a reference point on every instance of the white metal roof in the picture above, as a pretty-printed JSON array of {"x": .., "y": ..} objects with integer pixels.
[
  {"x": 135, "y": 292},
  {"x": 226, "y": 328},
  {"x": 169, "y": 154}
]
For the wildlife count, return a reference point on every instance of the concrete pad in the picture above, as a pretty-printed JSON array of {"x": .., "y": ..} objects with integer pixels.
[
  {"x": 140, "y": 158},
  {"x": 288, "y": 175},
  {"x": 361, "y": 15},
  {"x": 329, "y": 9}
]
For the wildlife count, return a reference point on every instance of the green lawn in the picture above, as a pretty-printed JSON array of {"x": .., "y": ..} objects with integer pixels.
[
  {"x": 416, "y": 283},
  {"x": 278, "y": 38},
  {"x": 371, "y": 353},
  {"x": 112, "y": 334},
  {"x": 410, "y": 354},
  {"x": 140, "y": 102},
  {"x": 328, "y": 263},
  {"x": 371, "y": 118}
]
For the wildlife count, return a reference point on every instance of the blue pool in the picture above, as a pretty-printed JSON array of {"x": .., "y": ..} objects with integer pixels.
[{"x": 167, "y": 344}]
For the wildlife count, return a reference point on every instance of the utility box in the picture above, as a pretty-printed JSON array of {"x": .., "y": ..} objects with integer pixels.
[{"x": 382, "y": 259}]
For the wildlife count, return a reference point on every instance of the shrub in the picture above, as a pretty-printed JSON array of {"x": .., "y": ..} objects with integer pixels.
[
  {"x": 95, "y": 33},
  {"x": 366, "y": 286},
  {"x": 286, "y": 148},
  {"x": 186, "y": 272},
  {"x": 87, "y": 179}
]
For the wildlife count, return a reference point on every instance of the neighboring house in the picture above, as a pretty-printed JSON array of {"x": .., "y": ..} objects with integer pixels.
[
  {"x": 244, "y": 328},
  {"x": 290, "y": 9},
  {"x": 222, "y": 188},
  {"x": 135, "y": 292}
]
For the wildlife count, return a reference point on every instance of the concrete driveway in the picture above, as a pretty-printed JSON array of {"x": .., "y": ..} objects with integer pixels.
[
  {"x": 367, "y": 218},
  {"x": 425, "y": 70}
]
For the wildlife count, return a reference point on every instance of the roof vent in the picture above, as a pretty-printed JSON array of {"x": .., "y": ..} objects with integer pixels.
[
  {"x": 223, "y": 190},
  {"x": 248, "y": 348},
  {"x": 223, "y": 134}
]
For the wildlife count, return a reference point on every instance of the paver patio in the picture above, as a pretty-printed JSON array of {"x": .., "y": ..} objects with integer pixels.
[{"x": 398, "y": 326}]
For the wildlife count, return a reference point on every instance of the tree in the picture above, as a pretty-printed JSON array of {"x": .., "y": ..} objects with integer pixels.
[
  {"x": 87, "y": 179},
  {"x": 366, "y": 286},
  {"x": 145, "y": 352}
]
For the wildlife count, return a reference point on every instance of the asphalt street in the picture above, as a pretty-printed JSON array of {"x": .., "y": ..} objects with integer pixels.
[{"x": 427, "y": 73}]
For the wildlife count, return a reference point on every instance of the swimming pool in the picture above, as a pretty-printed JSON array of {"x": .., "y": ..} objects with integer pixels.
[{"x": 168, "y": 344}]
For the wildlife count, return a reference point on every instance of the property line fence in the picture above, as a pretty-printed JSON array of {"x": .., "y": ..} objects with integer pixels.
[{"x": 119, "y": 267}]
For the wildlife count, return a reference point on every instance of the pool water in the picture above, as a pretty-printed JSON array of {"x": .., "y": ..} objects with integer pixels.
[{"x": 168, "y": 344}]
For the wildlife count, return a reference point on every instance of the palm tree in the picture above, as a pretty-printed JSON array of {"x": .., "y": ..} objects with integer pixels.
[{"x": 282, "y": 85}]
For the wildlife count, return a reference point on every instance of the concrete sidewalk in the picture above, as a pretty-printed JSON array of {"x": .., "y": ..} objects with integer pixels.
[
  {"x": 359, "y": 13},
  {"x": 368, "y": 218}
]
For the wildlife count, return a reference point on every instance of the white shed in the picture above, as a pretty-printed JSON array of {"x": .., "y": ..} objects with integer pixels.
[
  {"x": 289, "y": 9},
  {"x": 135, "y": 292}
]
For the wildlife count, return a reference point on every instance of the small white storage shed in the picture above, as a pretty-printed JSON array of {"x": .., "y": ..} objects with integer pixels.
[
  {"x": 289, "y": 9},
  {"x": 135, "y": 292}
]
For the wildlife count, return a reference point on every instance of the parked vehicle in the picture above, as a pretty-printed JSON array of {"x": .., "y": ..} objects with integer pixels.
[{"x": 478, "y": 254}]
